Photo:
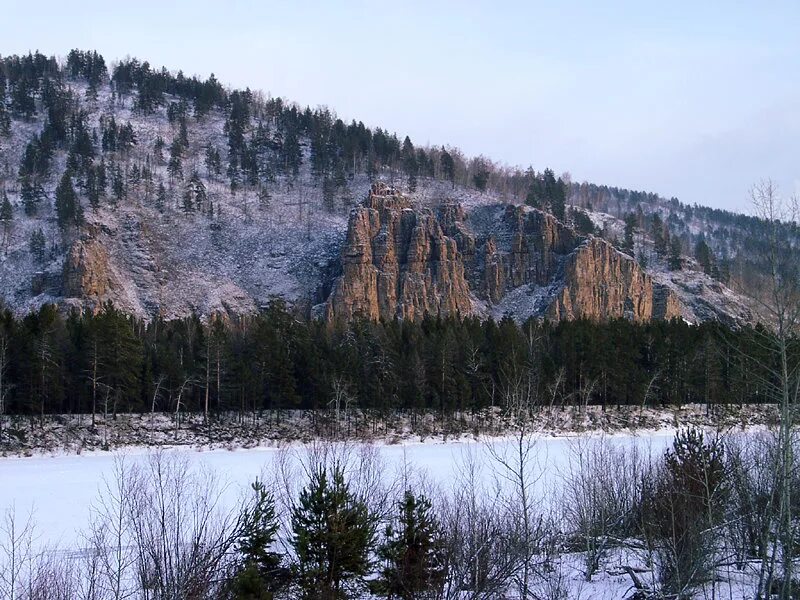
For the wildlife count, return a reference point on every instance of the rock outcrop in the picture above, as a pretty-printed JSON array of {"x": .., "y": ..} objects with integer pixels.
[
  {"x": 87, "y": 272},
  {"x": 397, "y": 261},
  {"x": 405, "y": 262},
  {"x": 602, "y": 283}
]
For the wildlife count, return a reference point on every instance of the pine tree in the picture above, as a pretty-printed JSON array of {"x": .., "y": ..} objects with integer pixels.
[
  {"x": 260, "y": 574},
  {"x": 448, "y": 167},
  {"x": 704, "y": 256},
  {"x": 183, "y": 134},
  {"x": 630, "y": 228},
  {"x": 411, "y": 552},
  {"x": 675, "y": 262},
  {"x": 194, "y": 195},
  {"x": 7, "y": 218},
  {"x": 175, "y": 166},
  {"x": 68, "y": 207},
  {"x": 158, "y": 149},
  {"x": 37, "y": 246},
  {"x": 161, "y": 197},
  {"x": 410, "y": 163},
  {"x": 657, "y": 233},
  {"x": 333, "y": 536}
]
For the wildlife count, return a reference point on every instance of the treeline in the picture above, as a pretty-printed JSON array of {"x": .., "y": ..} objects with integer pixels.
[
  {"x": 267, "y": 138},
  {"x": 115, "y": 363},
  {"x": 728, "y": 246}
]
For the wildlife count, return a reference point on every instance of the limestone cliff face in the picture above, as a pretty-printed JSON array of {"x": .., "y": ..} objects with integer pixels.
[
  {"x": 90, "y": 278},
  {"x": 397, "y": 261},
  {"x": 523, "y": 247},
  {"x": 87, "y": 272},
  {"x": 571, "y": 276},
  {"x": 602, "y": 283},
  {"x": 400, "y": 261}
]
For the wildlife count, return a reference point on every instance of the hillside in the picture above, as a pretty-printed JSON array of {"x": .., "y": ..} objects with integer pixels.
[{"x": 170, "y": 196}]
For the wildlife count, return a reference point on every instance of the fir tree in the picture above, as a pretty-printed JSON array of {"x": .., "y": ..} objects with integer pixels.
[{"x": 333, "y": 536}]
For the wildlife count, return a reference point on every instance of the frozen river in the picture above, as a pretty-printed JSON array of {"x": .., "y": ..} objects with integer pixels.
[{"x": 60, "y": 490}]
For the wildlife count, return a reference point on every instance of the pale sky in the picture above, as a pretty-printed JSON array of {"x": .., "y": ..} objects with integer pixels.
[{"x": 697, "y": 100}]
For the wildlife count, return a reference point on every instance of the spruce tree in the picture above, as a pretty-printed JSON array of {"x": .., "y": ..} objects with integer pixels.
[
  {"x": 333, "y": 536},
  {"x": 412, "y": 552}
]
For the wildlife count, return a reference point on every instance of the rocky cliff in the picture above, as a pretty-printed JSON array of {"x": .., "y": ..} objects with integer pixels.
[
  {"x": 397, "y": 261},
  {"x": 405, "y": 262},
  {"x": 88, "y": 275}
]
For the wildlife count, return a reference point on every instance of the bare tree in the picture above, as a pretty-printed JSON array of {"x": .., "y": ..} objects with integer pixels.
[
  {"x": 108, "y": 540},
  {"x": 780, "y": 305},
  {"x": 599, "y": 496},
  {"x": 480, "y": 553},
  {"x": 3, "y": 368},
  {"x": 183, "y": 541},
  {"x": 16, "y": 552}
]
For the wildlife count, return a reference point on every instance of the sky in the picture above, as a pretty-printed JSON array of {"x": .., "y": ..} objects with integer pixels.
[{"x": 697, "y": 100}]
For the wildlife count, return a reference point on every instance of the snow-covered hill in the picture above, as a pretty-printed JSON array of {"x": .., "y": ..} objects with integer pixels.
[{"x": 236, "y": 243}]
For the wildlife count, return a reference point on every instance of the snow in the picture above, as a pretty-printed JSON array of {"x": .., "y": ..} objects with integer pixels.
[{"x": 60, "y": 490}]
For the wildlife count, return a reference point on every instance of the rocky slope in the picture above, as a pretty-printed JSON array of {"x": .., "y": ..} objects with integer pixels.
[
  {"x": 444, "y": 249},
  {"x": 398, "y": 261}
]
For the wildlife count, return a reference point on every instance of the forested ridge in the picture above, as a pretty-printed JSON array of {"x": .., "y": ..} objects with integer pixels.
[
  {"x": 275, "y": 360},
  {"x": 74, "y": 165},
  {"x": 82, "y": 159}
]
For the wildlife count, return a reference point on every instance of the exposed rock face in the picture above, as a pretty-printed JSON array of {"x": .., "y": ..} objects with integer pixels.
[
  {"x": 87, "y": 271},
  {"x": 602, "y": 283},
  {"x": 397, "y": 262}
]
